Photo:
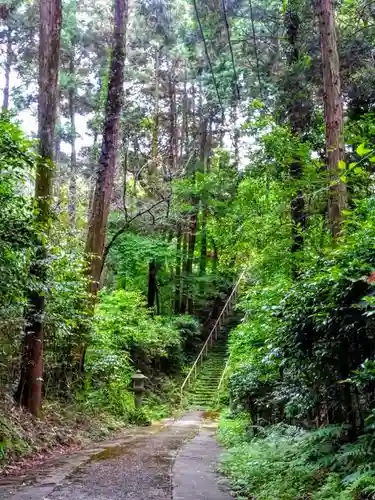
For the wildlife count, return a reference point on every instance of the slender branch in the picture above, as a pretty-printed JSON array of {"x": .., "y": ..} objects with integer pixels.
[
  {"x": 126, "y": 225},
  {"x": 139, "y": 214}
]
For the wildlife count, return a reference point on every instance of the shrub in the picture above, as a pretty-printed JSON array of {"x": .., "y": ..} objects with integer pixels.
[
  {"x": 287, "y": 463},
  {"x": 127, "y": 337}
]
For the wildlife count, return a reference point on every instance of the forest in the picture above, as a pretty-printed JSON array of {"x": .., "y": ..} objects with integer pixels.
[{"x": 153, "y": 152}]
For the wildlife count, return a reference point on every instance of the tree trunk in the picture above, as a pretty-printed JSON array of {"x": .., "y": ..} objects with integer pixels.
[
  {"x": 190, "y": 259},
  {"x": 57, "y": 174},
  {"x": 185, "y": 121},
  {"x": 29, "y": 391},
  {"x": 174, "y": 159},
  {"x": 125, "y": 166},
  {"x": 155, "y": 131},
  {"x": 151, "y": 294},
  {"x": 203, "y": 255},
  {"x": 298, "y": 120},
  {"x": 177, "y": 293},
  {"x": 195, "y": 201},
  {"x": 8, "y": 67},
  {"x": 158, "y": 305},
  {"x": 93, "y": 166},
  {"x": 205, "y": 151},
  {"x": 73, "y": 155},
  {"x": 185, "y": 277},
  {"x": 172, "y": 121},
  {"x": 333, "y": 111},
  {"x": 107, "y": 162}
]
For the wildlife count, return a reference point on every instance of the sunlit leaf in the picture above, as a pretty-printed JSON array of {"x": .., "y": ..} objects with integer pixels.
[{"x": 362, "y": 150}]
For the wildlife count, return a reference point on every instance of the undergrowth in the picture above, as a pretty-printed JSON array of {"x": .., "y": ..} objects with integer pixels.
[
  {"x": 63, "y": 426},
  {"x": 60, "y": 426},
  {"x": 284, "y": 462}
]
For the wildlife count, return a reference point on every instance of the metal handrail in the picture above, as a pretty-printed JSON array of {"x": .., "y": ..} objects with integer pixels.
[
  {"x": 213, "y": 334},
  {"x": 223, "y": 375}
]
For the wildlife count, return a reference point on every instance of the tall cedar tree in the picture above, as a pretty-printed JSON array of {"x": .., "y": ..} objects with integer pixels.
[
  {"x": 29, "y": 391},
  {"x": 8, "y": 67},
  {"x": 73, "y": 132},
  {"x": 333, "y": 111},
  {"x": 107, "y": 162},
  {"x": 193, "y": 225},
  {"x": 152, "y": 267},
  {"x": 181, "y": 245},
  {"x": 298, "y": 120}
]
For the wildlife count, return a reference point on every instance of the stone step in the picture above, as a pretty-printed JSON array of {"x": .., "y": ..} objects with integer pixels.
[
  {"x": 208, "y": 381},
  {"x": 203, "y": 389}
]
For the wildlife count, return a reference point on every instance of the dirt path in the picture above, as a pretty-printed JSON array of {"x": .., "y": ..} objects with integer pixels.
[{"x": 173, "y": 461}]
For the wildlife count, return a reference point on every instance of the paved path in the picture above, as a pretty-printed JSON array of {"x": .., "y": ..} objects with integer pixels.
[
  {"x": 173, "y": 461},
  {"x": 194, "y": 476}
]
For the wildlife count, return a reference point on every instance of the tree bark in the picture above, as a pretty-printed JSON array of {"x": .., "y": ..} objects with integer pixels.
[
  {"x": 93, "y": 167},
  {"x": 8, "y": 67},
  {"x": 73, "y": 155},
  {"x": 29, "y": 391},
  {"x": 185, "y": 121},
  {"x": 107, "y": 162},
  {"x": 333, "y": 111},
  {"x": 57, "y": 174},
  {"x": 173, "y": 143},
  {"x": 155, "y": 131}
]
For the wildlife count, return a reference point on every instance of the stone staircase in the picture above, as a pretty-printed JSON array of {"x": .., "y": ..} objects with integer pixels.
[
  {"x": 199, "y": 389},
  {"x": 202, "y": 394}
]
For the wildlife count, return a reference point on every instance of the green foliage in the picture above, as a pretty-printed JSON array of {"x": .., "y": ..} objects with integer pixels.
[
  {"x": 304, "y": 351},
  {"x": 16, "y": 234},
  {"x": 126, "y": 337},
  {"x": 293, "y": 330},
  {"x": 130, "y": 258},
  {"x": 288, "y": 463},
  {"x": 123, "y": 323},
  {"x": 67, "y": 315},
  {"x": 233, "y": 430}
]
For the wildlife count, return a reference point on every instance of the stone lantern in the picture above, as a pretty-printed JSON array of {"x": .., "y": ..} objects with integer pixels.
[{"x": 138, "y": 387}]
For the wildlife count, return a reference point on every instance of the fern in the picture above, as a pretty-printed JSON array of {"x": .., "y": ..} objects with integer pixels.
[{"x": 287, "y": 463}]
